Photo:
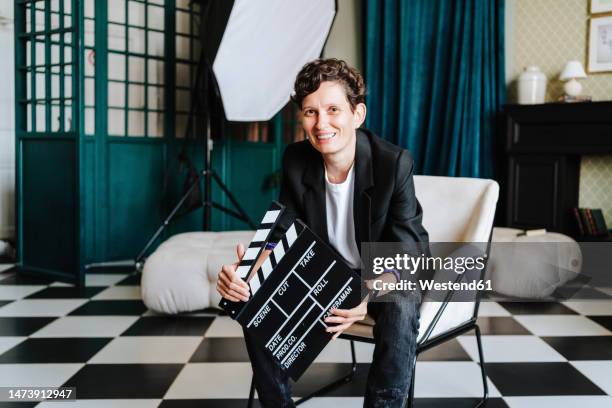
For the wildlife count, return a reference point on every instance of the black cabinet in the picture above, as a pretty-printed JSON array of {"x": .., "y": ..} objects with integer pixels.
[{"x": 538, "y": 161}]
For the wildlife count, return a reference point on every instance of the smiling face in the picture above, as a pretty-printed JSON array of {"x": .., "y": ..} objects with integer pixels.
[{"x": 329, "y": 121}]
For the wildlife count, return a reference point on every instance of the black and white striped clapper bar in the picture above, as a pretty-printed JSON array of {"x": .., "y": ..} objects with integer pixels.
[{"x": 292, "y": 292}]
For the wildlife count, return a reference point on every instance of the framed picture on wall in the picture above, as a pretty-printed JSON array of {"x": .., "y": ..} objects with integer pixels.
[
  {"x": 599, "y": 57},
  {"x": 601, "y": 6}
]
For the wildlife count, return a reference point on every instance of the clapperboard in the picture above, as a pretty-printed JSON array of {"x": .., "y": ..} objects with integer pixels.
[{"x": 292, "y": 292}]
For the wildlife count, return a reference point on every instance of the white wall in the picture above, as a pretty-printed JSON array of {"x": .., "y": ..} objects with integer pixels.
[
  {"x": 7, "y": 122},
  {"x": 345, "y": 38}
]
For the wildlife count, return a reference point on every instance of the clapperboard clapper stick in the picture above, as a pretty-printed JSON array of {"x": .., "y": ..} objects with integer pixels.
[{"x": 292, "y": 292}]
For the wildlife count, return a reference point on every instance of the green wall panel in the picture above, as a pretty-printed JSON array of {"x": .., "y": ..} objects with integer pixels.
[
  {"x": 136, "y": 205},
  {"x": 248, "y": 168},
  {"x": 89, "y": 246},
  {"x": 48, "y": 206}
]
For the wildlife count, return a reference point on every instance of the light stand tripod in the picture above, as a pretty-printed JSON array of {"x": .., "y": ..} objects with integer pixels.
[{"x": 200, "y": 105}]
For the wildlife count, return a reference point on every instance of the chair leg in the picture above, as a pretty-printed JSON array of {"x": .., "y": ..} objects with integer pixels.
[
  {"x": 483, "y": 372},
  {"x": 411, "y": 390},
  {"x": 251, "y": 393},
  {"x": 335, "y": 384}
]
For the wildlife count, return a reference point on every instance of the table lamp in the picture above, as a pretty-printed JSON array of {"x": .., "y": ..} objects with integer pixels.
[{"x": 572, "y": 70}]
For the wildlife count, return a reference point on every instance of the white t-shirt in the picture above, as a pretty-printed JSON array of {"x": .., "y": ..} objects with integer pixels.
[{"x": 340, "y": 221}]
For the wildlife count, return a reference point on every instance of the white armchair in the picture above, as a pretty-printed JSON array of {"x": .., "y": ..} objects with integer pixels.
[{"x": 454, "y": 210}]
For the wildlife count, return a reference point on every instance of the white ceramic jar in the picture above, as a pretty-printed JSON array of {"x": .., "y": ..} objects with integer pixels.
[{"x": 531, "y": 86}]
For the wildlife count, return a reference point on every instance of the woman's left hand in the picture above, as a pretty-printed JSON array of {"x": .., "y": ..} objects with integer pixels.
[{"x": 345, "y": 318}]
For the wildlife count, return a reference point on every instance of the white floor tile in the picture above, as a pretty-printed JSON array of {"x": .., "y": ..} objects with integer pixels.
[
  {"x": 36, "y": 375},
  {"x": 607, "y": 290},
  {"x": 212, "y": 380},
  {"x": 559, "y": 402},
  {"x": 102, "y": 279},
  {"x": 506, "y": 349},
  {"x": 335, "y": 402},
  {"x": 600, "y": 372},
  {"x": 4, "y": 267},
  {"x": 41, "y": 307},
  {"x": 591, "y": 307},
  {"x": 119, "y": 293},
  {"x": 108, "y": 403},
  {"x": 147, "y": 350},
  {"x": 87, "y": 326},
  {"x": 437, "y": 379},
  {"x": 224, "y": 326},
  {"x": 61, "y": 284},
  {"x": 492, "y": 309},
  {"x": 566, "y": 325},
  {"x": 339, "y": 351},
  {"x": 13, "y": 292},
  {"x": 7, "y": 343}
]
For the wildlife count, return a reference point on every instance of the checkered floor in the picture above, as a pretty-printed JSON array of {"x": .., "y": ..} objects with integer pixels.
[{"x": 104, "y": 342}]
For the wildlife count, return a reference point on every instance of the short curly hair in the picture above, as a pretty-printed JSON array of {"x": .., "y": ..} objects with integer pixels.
[{"x": 331, "y": 69}]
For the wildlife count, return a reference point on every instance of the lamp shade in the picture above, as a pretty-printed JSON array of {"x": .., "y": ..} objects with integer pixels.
[{"x": 573, "y": 69}]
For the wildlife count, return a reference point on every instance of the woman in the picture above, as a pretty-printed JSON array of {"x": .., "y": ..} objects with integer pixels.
[{"x": 349, "y": 186}]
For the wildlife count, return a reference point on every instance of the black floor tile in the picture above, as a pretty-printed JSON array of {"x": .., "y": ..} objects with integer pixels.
[
  {"x": 18, "y": 278},
  {"x": 22, "y": 326},
  {"x": 7, "y": 273},
  {"x": 18, "y": 404},
  {"x": 505, "y": 325},
  {"x": 528, "y": 379},
  {"x": 104, "y": 381},
  {"x": 54, "y": 350},
  {"x": 5, "y": 302},
  {"x": 418, "y": 403},
  {"x": 131, "y": 280},
  {"x": 605, "y": 321},
  {"x": 521, "y": 308},
  {"x": 321, "y": 374},
  {"x": 169, "y": 326},
  {"x": 589, "y": 293},
  {"x": 111, "y": 308},
  {"x": 67, "y": 292},
  {"x": 582, "y": 347},
  {"x": 222, "y": 349},
  {"x": 208, "y": 403},
  {"x": 207, "y": 310},
  {"x": 448, "y": 351},
  {"x": 458, "y": 403}
]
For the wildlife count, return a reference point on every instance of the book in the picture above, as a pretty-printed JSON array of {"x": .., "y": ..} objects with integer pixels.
[
  {"x": 576, "y": 212},
  {"x": 599, "y": 221},
  {"x": 585, "y": 222},
  {"x": 592, "y": 226}
]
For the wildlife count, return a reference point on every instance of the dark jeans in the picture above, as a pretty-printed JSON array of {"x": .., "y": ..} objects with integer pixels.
[{"x": 395, "y": 335}]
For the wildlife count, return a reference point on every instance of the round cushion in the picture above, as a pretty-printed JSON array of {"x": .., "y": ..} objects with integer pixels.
[
  {"x": 532, "y": 266},
  {"x": 181, "y": 275}
]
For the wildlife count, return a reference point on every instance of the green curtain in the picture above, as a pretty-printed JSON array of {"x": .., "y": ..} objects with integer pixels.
[{"x": 435, "y": 78}]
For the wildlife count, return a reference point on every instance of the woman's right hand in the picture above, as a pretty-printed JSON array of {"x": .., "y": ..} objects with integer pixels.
[{"x": 229, "y": 285}]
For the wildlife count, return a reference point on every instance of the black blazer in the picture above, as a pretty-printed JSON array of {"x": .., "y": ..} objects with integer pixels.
[{"x": 385, "y": 207}]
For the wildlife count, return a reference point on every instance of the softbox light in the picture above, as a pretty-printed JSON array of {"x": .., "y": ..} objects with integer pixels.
[{"x": 257, "y": 47}]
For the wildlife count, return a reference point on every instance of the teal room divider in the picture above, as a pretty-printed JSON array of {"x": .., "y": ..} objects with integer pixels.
[{"x": 102, "y": 102}]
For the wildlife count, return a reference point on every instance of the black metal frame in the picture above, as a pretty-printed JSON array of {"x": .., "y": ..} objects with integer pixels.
[{"x": 425, "y": 345}]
